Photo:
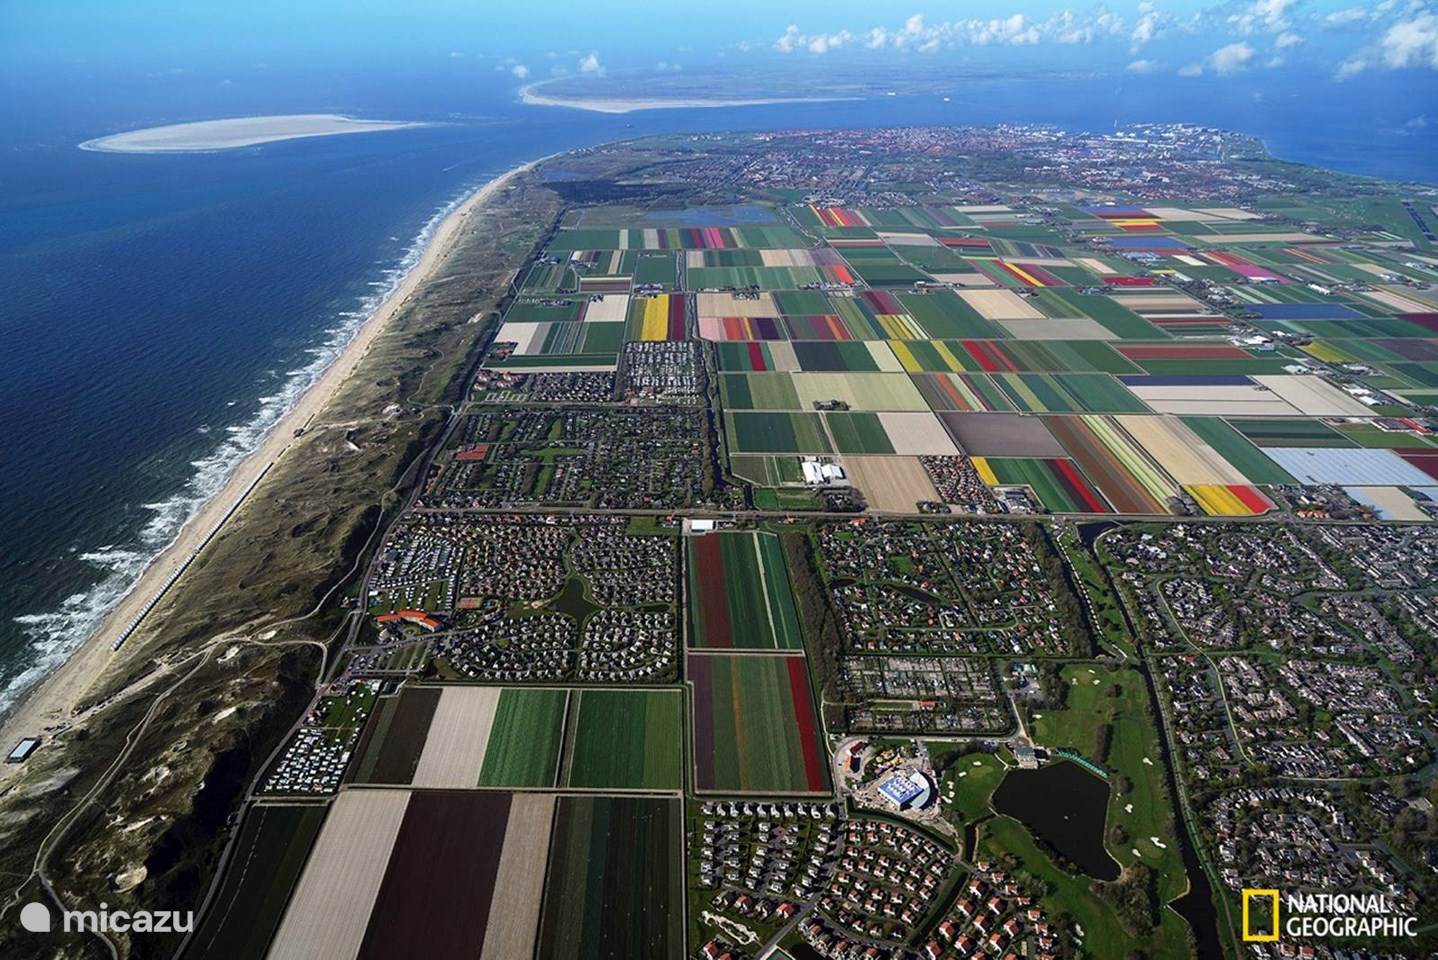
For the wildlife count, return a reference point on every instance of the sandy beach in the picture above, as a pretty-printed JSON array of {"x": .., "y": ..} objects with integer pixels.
[
  {"x": 208, "y": 135},
  {"x": 530, "y": 96},
  {"x": 51, "y": 701}
]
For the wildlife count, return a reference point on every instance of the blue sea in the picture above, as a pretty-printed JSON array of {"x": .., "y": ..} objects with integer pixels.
[{"x": 160, "y": 312}]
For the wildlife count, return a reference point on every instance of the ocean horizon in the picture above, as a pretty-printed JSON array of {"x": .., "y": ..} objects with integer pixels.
[{"x": 163, "y": 311}]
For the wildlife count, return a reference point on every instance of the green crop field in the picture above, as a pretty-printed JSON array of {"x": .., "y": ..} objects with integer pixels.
[
  {"x": 776, "y": 433},
  {"x": 859, "y": 433},
  {"x": 1238, "y": 450},
  {"x": 615, "y": 882},
  {"x": 1068, "y": 393},
  {"x": 625, "y": 739},
  {"x": 267, "y": 859},
  {"x": 758, "y": 391},
  {"x": 525, "y": 741}
]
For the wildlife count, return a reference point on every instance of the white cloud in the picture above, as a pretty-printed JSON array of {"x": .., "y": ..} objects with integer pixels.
[
  {"x": 1412, "y": 42},
  {"x": 1267, "y": 15},
  {"x": 1191, "y": 70},
  {"x": 825, "y": 43},
  {"x": 1147, "y": 27},
  {"x": 1346, "y": 16},
  {"x": 920, "y": 35},
  {"x": 1142, "y": 66},
  {"x": 519, "y": 70},
  {"x": 1232, "y": 58},
  {"x": 590, "y": 64},
  {"x": 1350, "y": 68},
  {"x": 1286, "y": 40}
]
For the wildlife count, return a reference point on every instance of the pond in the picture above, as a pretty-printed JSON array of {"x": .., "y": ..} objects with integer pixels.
[{"x": 1065, "y": 807}]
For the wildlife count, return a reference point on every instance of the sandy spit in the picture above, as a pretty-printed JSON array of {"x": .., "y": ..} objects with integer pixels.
[{"x": 208, "y": 135}]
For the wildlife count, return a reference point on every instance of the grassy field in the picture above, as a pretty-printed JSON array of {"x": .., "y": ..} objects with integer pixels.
[
  {"x": 1133, "y": 755},
  {"x": 526, "y": 738},
  {"x": 625, "y": 739},
  {"x": 754, "y": 727},
  {"x": 615, "y": 883}
]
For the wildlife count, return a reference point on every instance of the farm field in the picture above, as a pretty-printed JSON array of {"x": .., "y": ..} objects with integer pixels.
[
  {"x": 806, "y": 491},
  {"x": 467, "y": 737},
  {"x": 754, "y": 725},
  {"x": 269, "y": 854},
  {"x": 739, "y": 593},
  {"x": 625, "y": 739},
  {"x": 448, "y": 873},
  {"x": 615, "y": 881}
]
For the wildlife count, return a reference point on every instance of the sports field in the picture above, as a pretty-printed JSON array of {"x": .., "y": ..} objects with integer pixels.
[{"x": 754, "y": 725}]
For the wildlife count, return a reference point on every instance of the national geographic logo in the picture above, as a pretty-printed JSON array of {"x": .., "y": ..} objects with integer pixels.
[
  {"x": 1309, "y": 916},
  {"x": 1270, "y": 933}
]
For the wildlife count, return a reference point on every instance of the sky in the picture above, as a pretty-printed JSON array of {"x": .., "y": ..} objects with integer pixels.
[{"x": 1333, "y": 39}]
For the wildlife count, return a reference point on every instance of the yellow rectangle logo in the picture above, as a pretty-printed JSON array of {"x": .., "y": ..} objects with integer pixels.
[{"x": 1248, "y": 936}]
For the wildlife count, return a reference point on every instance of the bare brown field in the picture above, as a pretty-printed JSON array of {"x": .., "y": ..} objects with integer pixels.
[
  {"x": 327, "y": 918},
  {"x": 1000, "y": 305},
  {"x": 454, "y": 750},
  {"x": 1314, "y": 396},
  {"x": 730, "y": 305},
  {"x": 1048, "y": 328},
  {"x": 917, "y": 434},
  {"x": 1284, "y": 237},
  {"x": 1001, "y": 435},
  {"x": 436, "y": 896},
  {"x": 400, "y": 751},
  {"x": 891, "y": 484},
  {"x": 519, "y": 885}
]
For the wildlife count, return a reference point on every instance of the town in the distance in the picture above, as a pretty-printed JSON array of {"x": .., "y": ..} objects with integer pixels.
[{"x": 908, "y": 544}]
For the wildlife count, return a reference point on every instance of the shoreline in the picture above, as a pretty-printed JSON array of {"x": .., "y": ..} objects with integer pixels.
[
  {"x": 527, "y": 95},
  {"x": 50, "y": 701}
]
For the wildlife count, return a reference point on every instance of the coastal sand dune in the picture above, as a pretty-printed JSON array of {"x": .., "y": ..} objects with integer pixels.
[{"x": 206, "y": 135}]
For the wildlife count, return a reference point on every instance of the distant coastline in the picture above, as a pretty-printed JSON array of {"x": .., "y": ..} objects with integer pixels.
[
  {"x": 529, "y": 94},
  {"x": 208, "y": 135}
]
